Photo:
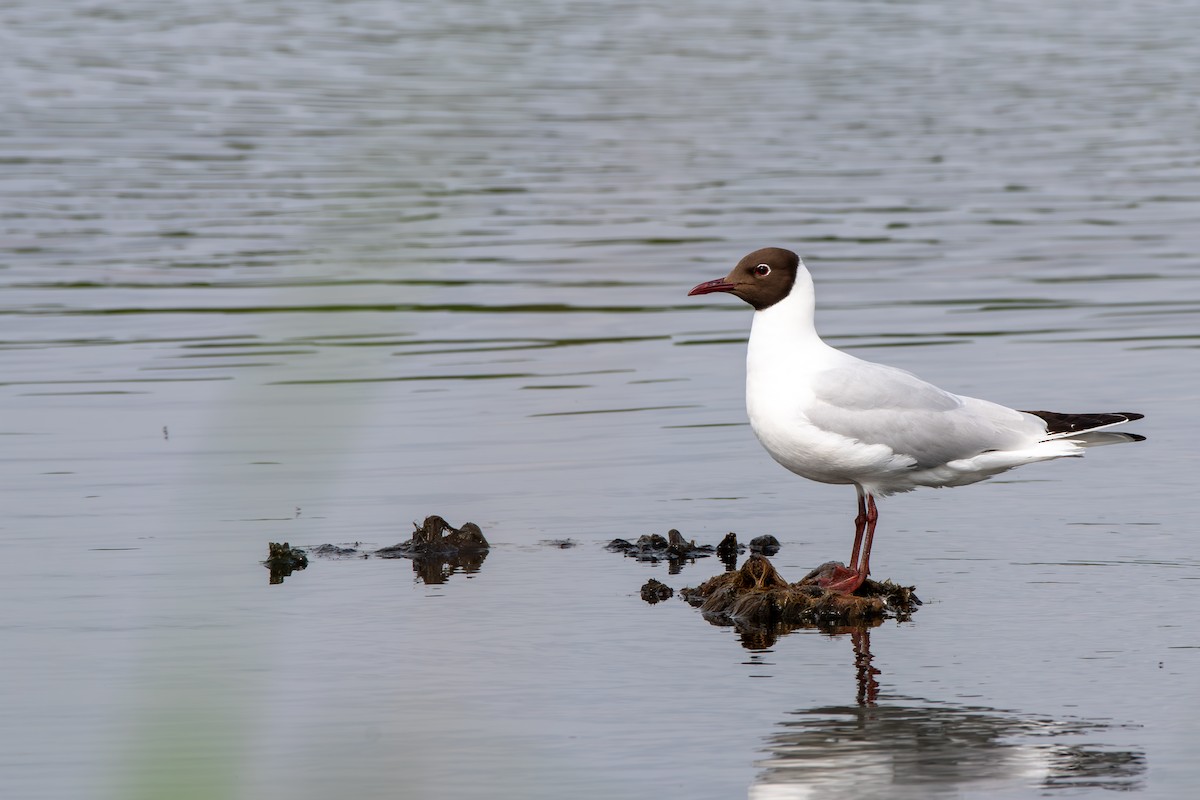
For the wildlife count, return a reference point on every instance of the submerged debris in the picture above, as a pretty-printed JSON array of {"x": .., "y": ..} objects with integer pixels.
[
  {"x": 335, "y": 551},
  {"x": 436, "y": 537},
  {"x": 438, "y": 550},
  {"x": 561, "y": 544},
  {"x": 767, "y": 544},
  {"x": 728, "y": 550},
  {"x": 283, "y": 559},
  {"x": 674, "y": 548},
  {"x": 756, "y": 597},
  {"x": 655, "y": 591},
  {"x": 654, "y": 548}
]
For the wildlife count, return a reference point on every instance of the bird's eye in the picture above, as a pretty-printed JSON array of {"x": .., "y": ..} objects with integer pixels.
[{"x": 762, "y": 270}]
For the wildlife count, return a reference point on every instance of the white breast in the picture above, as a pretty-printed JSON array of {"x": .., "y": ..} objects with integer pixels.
[{"x": 783, "y": 358}]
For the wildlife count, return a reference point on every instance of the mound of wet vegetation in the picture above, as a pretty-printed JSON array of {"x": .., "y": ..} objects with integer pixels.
[{"x": 758, "y": 597}]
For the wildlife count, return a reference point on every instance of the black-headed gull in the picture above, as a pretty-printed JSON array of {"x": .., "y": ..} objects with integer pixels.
[{"x": 834, "y": 418}]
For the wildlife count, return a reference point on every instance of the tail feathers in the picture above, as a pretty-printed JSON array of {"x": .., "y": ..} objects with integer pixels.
[{"x": 1084, "y": 428}]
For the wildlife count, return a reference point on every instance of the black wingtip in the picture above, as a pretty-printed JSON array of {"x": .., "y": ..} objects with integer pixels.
[{"x": 1058, "y": 422}]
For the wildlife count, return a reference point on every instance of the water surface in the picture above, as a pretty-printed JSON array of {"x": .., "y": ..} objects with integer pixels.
[{"x": 312, "y": 271}]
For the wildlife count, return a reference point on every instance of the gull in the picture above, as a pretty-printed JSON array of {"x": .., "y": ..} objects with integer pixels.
[{"x": 833, "y": 418}]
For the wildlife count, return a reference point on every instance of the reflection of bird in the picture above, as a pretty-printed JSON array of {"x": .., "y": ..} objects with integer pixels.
[
  {"x": 834, "y": 418},
  {"x": 901, "y": 747},
  {"x": 908, "y": 748}
]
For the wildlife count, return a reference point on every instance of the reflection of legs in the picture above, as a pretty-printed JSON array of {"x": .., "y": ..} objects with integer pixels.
[{"x": 868, "y": 687}]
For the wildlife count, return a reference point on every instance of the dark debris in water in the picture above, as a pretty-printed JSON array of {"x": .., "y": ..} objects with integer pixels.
[
  {"x": 729, "y": 549},
  {"x": 283, "y": 559},
  {"x": 436, "y": 549},
  {"x": 768, "y": 545},
  {"x": 334, "y": 551},
  {"x": 654, "y": 547},
  {"x": 656, "y": 591},
  {"x": 676, "y": 550},
  {"x": 436, "y": 537},
  {"x": 756, "y": 597},
  {"x": 561, "y": 544}
]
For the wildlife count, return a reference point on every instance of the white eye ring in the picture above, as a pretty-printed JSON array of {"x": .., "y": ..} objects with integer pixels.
[{"x": 762, "y": 270}]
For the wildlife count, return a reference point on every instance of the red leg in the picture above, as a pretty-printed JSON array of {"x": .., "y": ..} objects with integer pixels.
[
  {"x": 848, "y": 580},
  {"x": 872, "y": 518},
  {"x": 859, "y": 523}
]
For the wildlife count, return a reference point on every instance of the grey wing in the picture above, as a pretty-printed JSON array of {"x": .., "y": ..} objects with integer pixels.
[{"x": 877, "y": 404}]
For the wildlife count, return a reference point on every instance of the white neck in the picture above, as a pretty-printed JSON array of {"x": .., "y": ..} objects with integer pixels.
[
  {"x": 783, "y": 354},
  {"x": 788, "y": 323}
]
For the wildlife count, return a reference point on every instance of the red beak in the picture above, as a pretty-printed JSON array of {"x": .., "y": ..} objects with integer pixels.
[{"x": 708, "y": 287}]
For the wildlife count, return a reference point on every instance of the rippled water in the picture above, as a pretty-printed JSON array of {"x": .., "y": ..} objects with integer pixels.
[{"x": 311, "y": 271}]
